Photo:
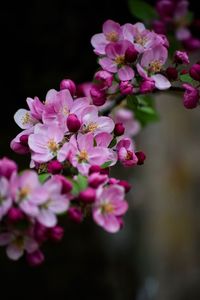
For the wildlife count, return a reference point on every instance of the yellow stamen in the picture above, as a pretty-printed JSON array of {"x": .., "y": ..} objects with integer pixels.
[
  {"x": 141, "y": 40},
  {"x": 155, "y": 66},
  {"x": 52, "y": 145},
  {"x": 23, "y": 193},
  {"x": 107, "y": 208},
  {"x": 120, "y": 60},
  {"x": 83, "y": 156},
  {"x": 92, "y": 127},
  {"x": 112, "y": 36},
  {"x": 26, "y": 119}
]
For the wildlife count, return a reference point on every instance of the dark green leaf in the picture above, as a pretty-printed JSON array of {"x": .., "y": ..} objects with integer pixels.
[
  {"x": 112, "y": 143},
  {"x": 75, "y": 189},
  {"x": 82, "y": 182},
  {"x": 187, "y": 78},
  {"x": 142, "y": 10},
  {"x": 43, "y": 177},
  {"x": 106, "y": 164}
]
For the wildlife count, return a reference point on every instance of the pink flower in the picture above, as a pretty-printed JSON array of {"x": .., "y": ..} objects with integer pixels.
[
  {"x": 44, "y": 142},
  {"x": 7, "y": 167},
  {"x": 109, "y": 206},
  {"x": 125, "y": 116},
  {"x": 191, "y": 96},
  {"x": 5, "y": 197},
  {"x": 20, "y": 143},
  {"x": 36, "y": 108},
  {"x": 24, "y": 119},
  {"x": 111, "y": 33},
  {"x": 115, "y": 62},
  {"x": 126, "y": 152},
  {"x": 181, "y": 57}
]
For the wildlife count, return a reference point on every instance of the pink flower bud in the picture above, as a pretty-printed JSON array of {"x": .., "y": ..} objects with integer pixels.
[
  {"x": 147, "y": 86},
  {"x": 125, "y": 185},
  {"x": 104, "y": 77},
  {"x": 56, "y": 233},
  {"x": 7, "y": 167},
  {"x": 15, "y": 215},
  {"x": 126, "y": 88},
  {"x": 119, "y": 129},
  {"x": 54, "y": 167},
  {"x": 131, "y": 54},
  {"x": 40, "y": 233},
  {"x": 190, "y": 97},
  {"x": 113, "y": 180},
  {"x": 181, "y": 57},
  {"x": 105, "y": 171},
  {"x": 172, "y": 73},
  {"x": 66, "y": 184},
  {"x": 94, "y": 169},
  {"x": 69, "y": 85},
  {"x": 159, "y": 27},
  {"x": 98, "y": 95},
  {"x": 73, "y": 123},
  {"x": 35, "y": 258},
  {"x": 141, "y": 157},
  {"x": 191, "y": 44},
  {"x": 24, "y": 139},
  {"x": 88, "y": 195},
  {"x": 75, "y": 214},
  {"x": 97, "y": 179},
  {"x": 195, "y": 72}
]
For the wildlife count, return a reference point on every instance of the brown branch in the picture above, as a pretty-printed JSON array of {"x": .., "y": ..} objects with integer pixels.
[{"x": 118, "y": 100}]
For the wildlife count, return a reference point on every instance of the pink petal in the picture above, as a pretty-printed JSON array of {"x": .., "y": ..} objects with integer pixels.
[
  {"x": 47, "y": 218},
  {"x": 5, "y": 238},
  {"x": 161, "y": 82},
  {"x": 111, "y": 26},
  {"x": 111, "y": 223},
  {"x": 126, "y": 73},
  {"x": 85, "y": 142},
  {"x": 99, "y": 42},
  {"x": 14, "y": 252},
  {"x": 105, "y": 124},
  {"x": 108, "y": 64},
  {"x": 24, "y": 119},
  {"x": 142, "y": 71},
  {"x": 103, "y": 139}
]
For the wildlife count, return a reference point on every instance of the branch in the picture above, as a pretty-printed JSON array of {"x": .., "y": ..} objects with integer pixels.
[{"x": 120, "y": 98}]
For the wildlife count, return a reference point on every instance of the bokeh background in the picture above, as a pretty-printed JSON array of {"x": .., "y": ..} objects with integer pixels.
[{"x": 156, "y": 256}]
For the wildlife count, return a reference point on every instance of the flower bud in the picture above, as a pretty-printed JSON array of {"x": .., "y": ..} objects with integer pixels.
[
  {"x": 56, "y": 233},
  {"x": 105, "y": 171},
  {"x": 75, "y": 214},
  {"x": 190, "y": 97},
  {"x": 7, "y": 167},
  {"x": 98, "y": 95},
  {"x": 104, "y": 77},
  {"x": 172, "y": 73},
  {"x": 159, "y": 27},
  {"x": 66, "y": 184},
  {"x": 15, "y": 215},
  {"x": 40, "y": 233},
  {"x": 94, "y": 169},
  {"x": 35, "y": 258},
  {"x": 126, "y": 88},
  {"x": 69, "y": 85},
  {"x": 141, "y": 157},
  {"x": 195, "y": 72},
  {"x": 119, "y": 129},
  {"x": 147, "y": 86},
  {"x": 73, "y": 123},
  {"x": 191, "y": 44},
  {"x": 131, "y": 54},
  {"x": 181, "y": 57},
  {"x": 54, "y": 167},
  {"x": 97, "y": 179},
  {"x": 88, "y": 195},
  {"x": 24, "y": 139},
  {"x": 113, "y": 180},
  {"x": 125, "y": 185}
]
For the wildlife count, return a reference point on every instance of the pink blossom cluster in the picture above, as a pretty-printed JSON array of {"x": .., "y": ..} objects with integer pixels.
[
  {"x": 175, "y": 14},
  {"x": 131, "y": 58}
]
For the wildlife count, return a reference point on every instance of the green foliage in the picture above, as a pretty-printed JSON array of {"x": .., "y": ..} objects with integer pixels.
[
  {"x": 79, "y": 184},
  {"x": 187, "y": 79},
  {"x": 43, "y": 177},
  {"x": 106, "y": 164},
  {"x": 143, "y": 108},
  {"x": 112, "y": 143},
  {"x": 142, "y": 10}
]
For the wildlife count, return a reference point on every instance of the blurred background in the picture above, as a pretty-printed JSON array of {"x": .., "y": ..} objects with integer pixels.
[{"x": 156, "y": 255}]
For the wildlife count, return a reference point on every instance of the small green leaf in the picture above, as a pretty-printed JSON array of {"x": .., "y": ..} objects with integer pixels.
[
  {"x": 75, "y": 189},
  {"x": 82, "y": 182},
  {"x": 132, "y": 102},
  {"x": 142, "y": 10},
  {"x": 106, "y": 164},
  {"x": 187, "y": 78},
  {"x": 43, "y": 177},
  {"x": 112, "y": 143}
]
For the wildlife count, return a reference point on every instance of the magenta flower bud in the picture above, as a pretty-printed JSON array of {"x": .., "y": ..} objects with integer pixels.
[
  {"x": 15, "y": 215},
  {"x": 105, "y": 171},
  {"x": 126, "y": 88},
  {"x": 24, "y": 139},
  {"x": 7, "y": 167},
  {"x": 195, "y": 72},
  {"x": 172, "y": 73},
  {"x": 35, "y": 258},
  {"x": 190, "y": 97},
  {"x": 98, "y": 95},
  {"x": 147, "y": 86},
  {"x": 141, "y": 157},
  {"x": 165, "y": 9},
  {"x": 54, "y": 167},
  {"x": 125, "y": 185},
  {"x": 40, "y": 233},
  {"x": 94, "y": 169},
  {"x": 113, "y": 180},
  {"x": 75, "y": 214},
  {"x": 69, "y": 85},
  {"x": 131, "y": 54},
  {"x": 181, "y": 57},
  {"x": 191, "y": 44},
  {"x": 104, "y": 77},
  {"x": 119, "y": 129},
  {"x": 121, "y": 222},
  {"x": 97, "y": 179},
  {"x": 66, "y": 184},
  {"x": 159, "y": 27},
  {"x": 88, "y": 195},
  {"x": 73, "y": 123},
  {"x": 56, "y": 233}
]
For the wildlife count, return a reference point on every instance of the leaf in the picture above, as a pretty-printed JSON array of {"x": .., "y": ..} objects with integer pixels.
[
  {"x": 112, "y": 143},
  {"x": 132, "y": 102},
  {"x": 82, "y": 182},
  {"x": 142, "y": 10},
  {"x": 187, "y": 78},
  {"x": 106, "y": 164},
  {"x": 75, "y": 189},
  {"x": 190, "y": 17},
  {"x": 146, "y": 100},
  {"x": 43, "y": 177},
  {"x": 146, "y": 115}
]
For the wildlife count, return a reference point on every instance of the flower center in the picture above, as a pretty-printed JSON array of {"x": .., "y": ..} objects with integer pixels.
[
  {"x": 140, "y": 40},
  {"x": 26, "y": 119},
  {"x": 83, "y": 156},
  {"x": 112, "y": 36},
  {"x": 52, "y": 145},
  {"x": 92, "y": 127},
  {"x": 23, "y": 193},
  {"x": 107, "y": 208},
  {"x": 155, "y": 66},
  {"x": 64, "y": 110},
  {"x": 129, "y": 155},
  {"x": 120, "y": 59}
]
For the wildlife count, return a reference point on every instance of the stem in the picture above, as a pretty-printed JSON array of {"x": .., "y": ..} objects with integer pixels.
[{"x": 120, "y": 98}]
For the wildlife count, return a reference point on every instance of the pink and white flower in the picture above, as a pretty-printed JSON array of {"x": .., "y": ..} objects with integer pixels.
[
  {"x": 5, "y": 197},
  {"x": 126, "y": 154}
]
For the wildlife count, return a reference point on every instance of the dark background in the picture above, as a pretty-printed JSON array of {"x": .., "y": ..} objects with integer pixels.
[{"x": 43, "y": 42}]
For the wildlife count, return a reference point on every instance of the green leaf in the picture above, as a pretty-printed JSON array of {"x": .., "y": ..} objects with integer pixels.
[
  {"x": 190, "y": 17},
  {"x": 142, "y": 10},
  {"x": 112, "y": 143},
  {"x": 132, "y": 102},
  {"x": 146, "y": 115},
  {"x": 106, "y": 164},
  {"x": 82, "y": 182},
  {"x": 187, "y": 78},
  {"x": 43, "y": 177},
  {"x": 75, "y": 189},
  {"x": 145, "y": 100}
]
